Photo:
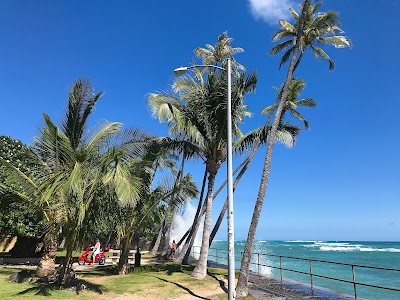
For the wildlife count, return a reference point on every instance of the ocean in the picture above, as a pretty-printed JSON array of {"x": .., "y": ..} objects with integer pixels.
[{"x": 377, "y": 254}]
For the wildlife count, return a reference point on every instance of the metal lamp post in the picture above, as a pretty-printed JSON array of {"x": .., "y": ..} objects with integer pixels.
[{"x": 231, "y": 248}]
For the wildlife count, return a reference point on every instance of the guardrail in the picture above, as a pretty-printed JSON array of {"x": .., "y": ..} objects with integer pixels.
[{"x": 309, "y": 273}]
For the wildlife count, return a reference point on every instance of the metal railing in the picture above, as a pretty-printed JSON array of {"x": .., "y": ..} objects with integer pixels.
[{"x": 218, "y": 258}]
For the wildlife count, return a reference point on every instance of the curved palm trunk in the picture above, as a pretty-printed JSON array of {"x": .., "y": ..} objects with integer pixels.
[
  {"x": 200, "y": 271},
  {"x": 235, "y": 183},
  {"x": 185, "y": 252},
  {"x": 242, "y": 285}
]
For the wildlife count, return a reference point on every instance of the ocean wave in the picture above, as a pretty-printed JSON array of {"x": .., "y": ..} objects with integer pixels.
[
  {"x": 301, "y": 241},
  {"x": 380, "y": 250},
  {"x": 358, "y": 248}
]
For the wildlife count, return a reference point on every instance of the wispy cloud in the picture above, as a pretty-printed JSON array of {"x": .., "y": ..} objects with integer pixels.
[{"x": 271, "y": 11}]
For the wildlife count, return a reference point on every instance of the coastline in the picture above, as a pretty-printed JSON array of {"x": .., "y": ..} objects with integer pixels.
[{"x": 267, "y": 287}]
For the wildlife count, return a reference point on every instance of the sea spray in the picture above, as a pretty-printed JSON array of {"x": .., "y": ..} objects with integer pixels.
[{"x": 181, "y": 224}]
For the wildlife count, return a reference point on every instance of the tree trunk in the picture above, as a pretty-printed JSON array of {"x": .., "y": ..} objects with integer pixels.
[
  {"x": 167, "y": 243},
  {"x": 242, "y": 285},
  {"x": 108, "y": 239},
  {"x": 63, "y": 278},
  {"x": 47, "y": 266},
  {"x": 154, "y": 250},
  {"x": 123, "y": 264},
  {"x": 185, "y": 251},
  {"x": 235, "y": 183},
  {"x": 200, "y": 271}
]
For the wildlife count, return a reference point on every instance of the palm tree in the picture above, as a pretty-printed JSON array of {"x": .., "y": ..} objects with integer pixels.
[
  {"x": 76, "y": 165},
  {"x": 199, "y": 115},
  {"x": 299, "y": 46},
  {"x": 292, "y": 103},
  {"x": 318, "y": 29},
  {"x": 217, "y": 55}
]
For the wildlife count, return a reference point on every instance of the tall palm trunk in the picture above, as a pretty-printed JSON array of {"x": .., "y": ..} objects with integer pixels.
[
  {"x": 185, "y": 251},
  {"x": 154, "y": 250},
  {"x": 178, "y": 179},
  {"x": 235, "y": 183},
  {"x": 168, "y": 233},
  {"x": 242, "y": 285},
  {"x": 200, "y": 271}
]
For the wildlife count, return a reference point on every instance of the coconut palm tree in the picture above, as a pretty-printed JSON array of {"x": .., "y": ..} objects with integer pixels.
[
  {"x": 76, "y": 164},
  {"x": 217, "y": 55},
  {"x": 292, "y": 103},
  {"x": 286, "y": 134},
  {"x": 198, "y": 113},
  {"x": 299, "y": 45},
  {"x": 318, "y": 29}
]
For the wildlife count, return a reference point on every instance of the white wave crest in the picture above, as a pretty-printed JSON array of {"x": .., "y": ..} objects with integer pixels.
[{"x": 358, "y": 248}]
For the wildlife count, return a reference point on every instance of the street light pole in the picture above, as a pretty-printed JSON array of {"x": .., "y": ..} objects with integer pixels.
[{"x": 231, "y": 240}]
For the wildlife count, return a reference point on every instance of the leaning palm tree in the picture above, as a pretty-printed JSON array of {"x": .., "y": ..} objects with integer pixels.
[
  {"x": 285, "y": 134},
  {"x": 301, "y": 31},
  {"x": 318, "y": 29}
]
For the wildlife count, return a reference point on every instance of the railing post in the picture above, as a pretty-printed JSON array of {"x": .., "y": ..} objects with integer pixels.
[
  {"x": 312, "y": 288},
  {"x": 280, "y": 269},
  {"x": 354, "y": 282},
  {"x": 258, "y": 263}
]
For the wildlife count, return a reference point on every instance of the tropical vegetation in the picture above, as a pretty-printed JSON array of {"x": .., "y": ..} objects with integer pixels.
[{"x": 75, "y": 183}]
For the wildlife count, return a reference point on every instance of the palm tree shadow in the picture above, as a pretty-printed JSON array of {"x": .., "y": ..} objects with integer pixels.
[
  {"x": 183, "y": 287},
  {"x": 221, "y": 282},
  {"x": 41, "y": 289},
  {"x": 45, "y": 289}
]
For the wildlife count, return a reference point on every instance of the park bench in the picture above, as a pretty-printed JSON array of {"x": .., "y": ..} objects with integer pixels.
[{"x": 114, "y": 255}]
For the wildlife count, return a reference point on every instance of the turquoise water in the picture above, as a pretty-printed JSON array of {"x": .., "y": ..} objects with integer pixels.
[{"x": 378, "y": 254}]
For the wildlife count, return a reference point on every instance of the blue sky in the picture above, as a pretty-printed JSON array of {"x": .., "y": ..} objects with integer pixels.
[{"x": 340, "y": 181}]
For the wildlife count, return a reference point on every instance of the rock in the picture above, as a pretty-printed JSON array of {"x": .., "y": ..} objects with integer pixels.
[{"x": 21, "y": 276}]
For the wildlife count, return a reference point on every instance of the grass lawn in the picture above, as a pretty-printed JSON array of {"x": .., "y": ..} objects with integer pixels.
[{"x": 151, "y": 282}]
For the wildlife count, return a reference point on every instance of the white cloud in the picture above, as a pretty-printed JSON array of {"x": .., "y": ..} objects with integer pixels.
[{"x": 272, "y": 10}]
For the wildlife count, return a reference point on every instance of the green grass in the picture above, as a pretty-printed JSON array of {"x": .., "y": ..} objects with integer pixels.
[
  {"x": 11, "y": 290},
  {"x": 155, "y": 281}
]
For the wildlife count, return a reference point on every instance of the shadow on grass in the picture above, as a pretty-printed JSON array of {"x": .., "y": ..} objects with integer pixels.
[
  {"x": 97, "y": 272},
  {"x": 183, "y": 287},
  {"x": 221, "y": 282},
  {"x": 172, "y": 268},
  {"x": 78, "y": 285}
]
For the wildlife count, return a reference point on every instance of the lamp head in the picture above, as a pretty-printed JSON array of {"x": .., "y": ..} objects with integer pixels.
[{"x": 180, "y": 71}]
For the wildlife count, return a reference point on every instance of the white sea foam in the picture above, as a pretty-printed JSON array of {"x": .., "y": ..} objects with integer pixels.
[
  {"x": 301, "y": 241},
  {"x": 357, "y": 248},
  {"x": 380, "y": 250},
  {"x": 181, "y": 224}
]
